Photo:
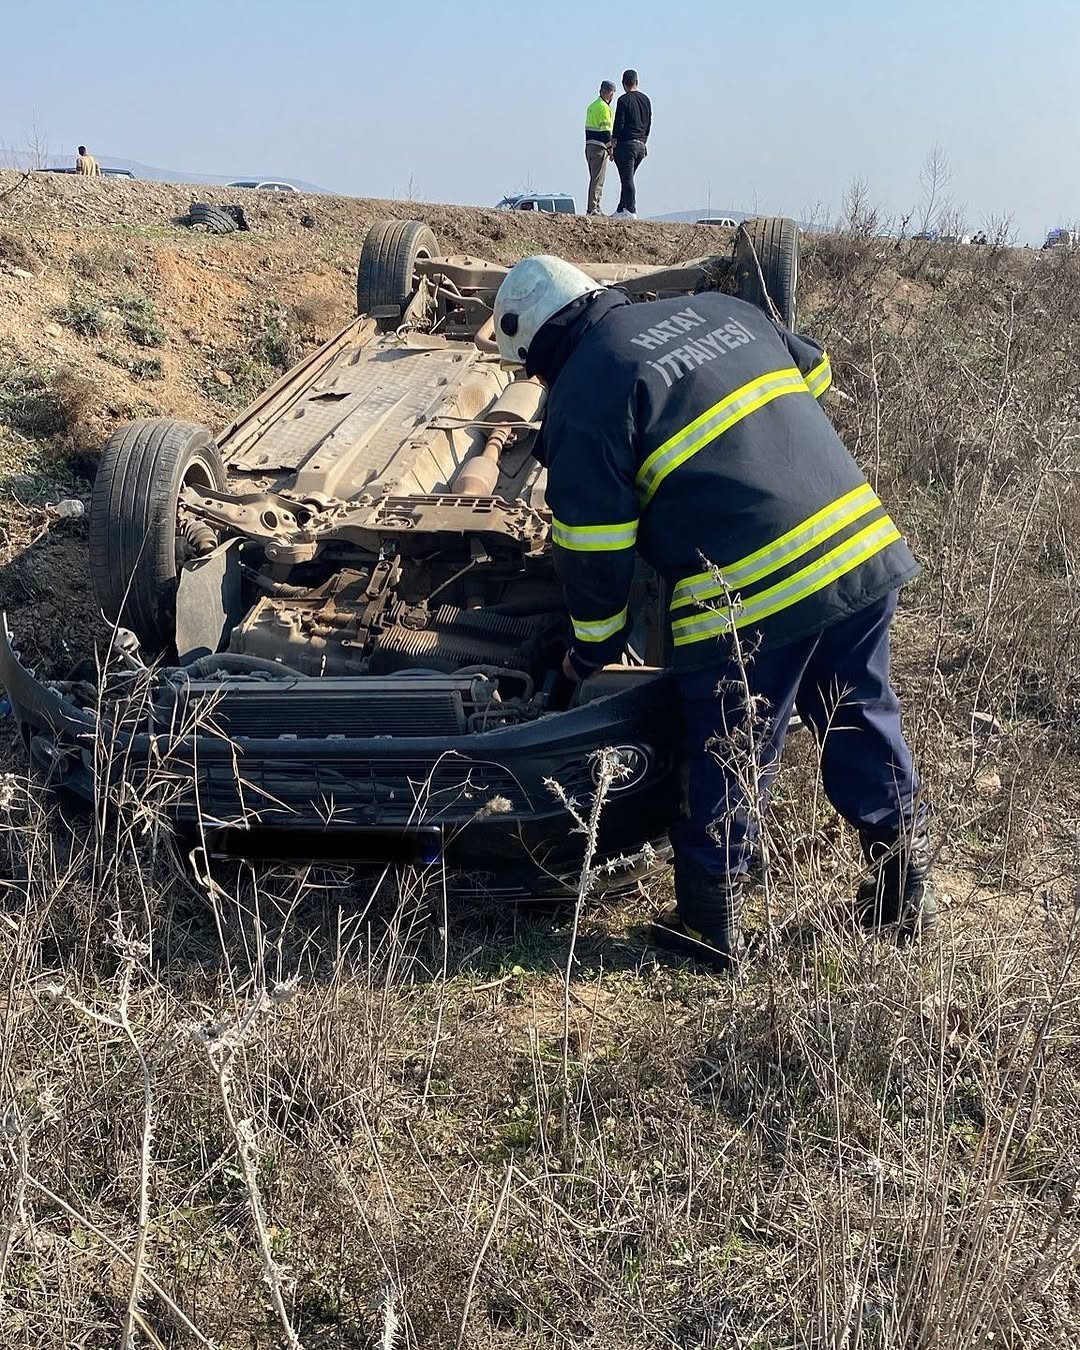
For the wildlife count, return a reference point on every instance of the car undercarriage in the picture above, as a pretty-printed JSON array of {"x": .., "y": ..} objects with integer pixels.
[{"x": 338, "y": 625}]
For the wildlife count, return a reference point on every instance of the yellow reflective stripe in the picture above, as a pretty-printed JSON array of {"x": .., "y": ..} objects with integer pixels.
[
  {"x": 829, "y": 568},
  {"x": 597, "y": 630},
  {"x": 798, "y": 541},
  {"x": 714, "y": 422},
  {"x": 594, "y": 538},
  {"x": 820, "y": 377}
]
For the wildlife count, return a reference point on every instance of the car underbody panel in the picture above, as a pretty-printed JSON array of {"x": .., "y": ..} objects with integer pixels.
[{"x": 365, "y": 630}]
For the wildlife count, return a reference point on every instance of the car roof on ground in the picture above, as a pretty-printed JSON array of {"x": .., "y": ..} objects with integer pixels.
[
  {"x": 106, "y": 170},
  {"x": 263, "y": 182}
]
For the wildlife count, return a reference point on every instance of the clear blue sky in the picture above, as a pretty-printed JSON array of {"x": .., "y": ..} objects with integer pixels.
[{"x": 773, "y": 107}]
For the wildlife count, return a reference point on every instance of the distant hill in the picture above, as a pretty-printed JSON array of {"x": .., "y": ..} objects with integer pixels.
[{"x": 154, "y": 174}]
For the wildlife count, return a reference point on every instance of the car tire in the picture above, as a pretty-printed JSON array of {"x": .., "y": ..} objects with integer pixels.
[
  {"x": 216, "y": 219},
  {"x": 767, "y": 251},
  {"x": 133, "y": 555},
  {"x": 385, "y": 278}
]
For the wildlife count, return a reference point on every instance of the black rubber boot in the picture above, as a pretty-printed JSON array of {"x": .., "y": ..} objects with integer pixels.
[
  {"x": 899, "y": 889},
  {"x": 705, "y": 922}
]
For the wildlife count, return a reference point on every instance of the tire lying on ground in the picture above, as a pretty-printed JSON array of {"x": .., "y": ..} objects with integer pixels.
[
  {"x": 771, "y": 243},
  {"x": 216, "y": 219},
  {"x": 385, "y": 278},
  {"x": 133, "y": 516}
]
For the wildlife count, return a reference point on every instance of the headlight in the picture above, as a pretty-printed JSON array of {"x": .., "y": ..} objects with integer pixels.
[{"x": 632, "y": 763}]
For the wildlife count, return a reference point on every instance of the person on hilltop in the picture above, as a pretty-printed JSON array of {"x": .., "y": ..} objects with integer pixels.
[
  {"x": 599, "y": 120},
  {"x": 689, "y": 430},
  {"x": 86, "y": 165},
  {"x": 630, "y": 140}
]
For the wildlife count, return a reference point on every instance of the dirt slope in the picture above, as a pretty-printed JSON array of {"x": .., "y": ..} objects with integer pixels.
[
  {"x": 42, "y": 201},
  {"x": 74, "y": 255}
]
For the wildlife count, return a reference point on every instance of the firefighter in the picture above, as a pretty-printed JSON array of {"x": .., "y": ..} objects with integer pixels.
[{"x": 689, "y": 430}]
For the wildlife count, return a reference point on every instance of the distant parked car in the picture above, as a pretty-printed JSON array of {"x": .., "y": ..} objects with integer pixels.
[
  {"x": 559, "y": 202},
  {"x": 263, "y": 185},
  {"x": 724, "y": 222},
  {"x": 1062, "y": 238},
  {"x": 105, "y": 173},
  {"x": 930, "y": 236}
]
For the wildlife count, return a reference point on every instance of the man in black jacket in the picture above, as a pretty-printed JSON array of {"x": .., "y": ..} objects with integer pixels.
[
  {"x": 689, "y": 431},
  {"x": 630, "y": 138}
]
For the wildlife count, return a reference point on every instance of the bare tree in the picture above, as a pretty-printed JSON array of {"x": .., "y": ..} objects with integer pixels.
[
  {"x": 860, "y": 216},
  {"x": 935, "y": 177},
  {"x": 34, "y": 154},
  {"x": 816, "y": 217},
  {"x": 1001, "y": 230},
  {"x": 37, "y": 147}
]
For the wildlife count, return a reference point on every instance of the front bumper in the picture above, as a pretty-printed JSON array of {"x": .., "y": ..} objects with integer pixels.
[{"x": 483, "y": 804}]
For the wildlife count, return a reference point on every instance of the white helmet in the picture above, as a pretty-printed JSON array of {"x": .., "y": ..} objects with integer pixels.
[{"x": 533, "y": 291}]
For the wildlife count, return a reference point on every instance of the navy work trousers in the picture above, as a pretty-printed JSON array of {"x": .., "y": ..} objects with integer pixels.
[{"x": 838, "y": 681}]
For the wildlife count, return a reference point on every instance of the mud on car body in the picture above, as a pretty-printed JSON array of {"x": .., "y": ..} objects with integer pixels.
[{"x": 338, "y": 630}]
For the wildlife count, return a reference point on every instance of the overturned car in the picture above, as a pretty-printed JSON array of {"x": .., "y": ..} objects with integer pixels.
[{"x": 338, "y": 631}]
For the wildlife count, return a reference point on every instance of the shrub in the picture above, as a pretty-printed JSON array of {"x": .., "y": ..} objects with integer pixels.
[
  {"x": 84, "y": 315},
  {"x": 102, "y": 262},
  {"x": 39, "y": 403},
  {"x": 141, "y": 323},
  {"x": 27, "y": 404},
  {"x": 314, "y": 312},
  {"x": 275, "y": 345},
  {"x": 17, "y": 253},
  {"x": 246, "y": 377},
  {"x": 138, "y": 367},
  {"x": 75, "y": 395}
]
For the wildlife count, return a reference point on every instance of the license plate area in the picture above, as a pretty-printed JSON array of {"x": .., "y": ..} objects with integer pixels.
[{"x": 359, "y": 844}]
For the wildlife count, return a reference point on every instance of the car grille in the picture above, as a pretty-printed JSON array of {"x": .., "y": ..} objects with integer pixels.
[
  {"x": 357, "y": 789},
  {"x": 312, "y": 709}
]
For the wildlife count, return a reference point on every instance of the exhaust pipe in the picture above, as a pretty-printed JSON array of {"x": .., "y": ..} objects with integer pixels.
[
  {"x": 519, "y": 404},
  {"x": 480, "y": 472}
]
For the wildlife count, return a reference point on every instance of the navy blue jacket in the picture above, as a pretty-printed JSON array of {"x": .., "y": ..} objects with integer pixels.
[{"x": 689, "y": 430}]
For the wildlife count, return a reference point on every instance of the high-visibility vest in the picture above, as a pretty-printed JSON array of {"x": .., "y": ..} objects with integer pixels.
[{"x": 599, "y": 119}]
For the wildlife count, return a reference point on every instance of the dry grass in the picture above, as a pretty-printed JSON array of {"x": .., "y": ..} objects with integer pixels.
[
  {"x": 315, "y": 314},
  {"x": 300, "y": 1107},
  {"x": 83, "y": 314},
  {"x": 42, "y": 404},
  {"x": 16, "y": 252},
  {"x": 76, "y": 398},
  {"x": 102, "y": 263}
]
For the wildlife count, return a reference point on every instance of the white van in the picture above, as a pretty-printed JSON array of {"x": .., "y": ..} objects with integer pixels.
[{"x": 559, "y": 202}]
